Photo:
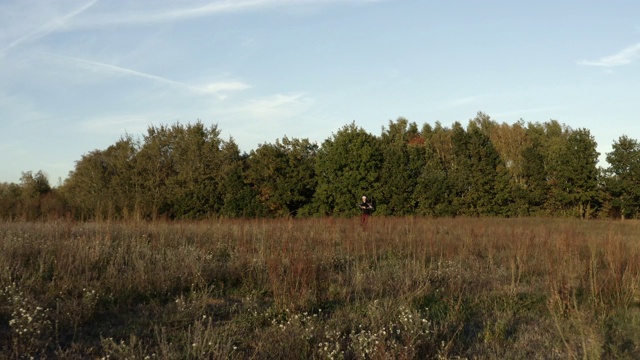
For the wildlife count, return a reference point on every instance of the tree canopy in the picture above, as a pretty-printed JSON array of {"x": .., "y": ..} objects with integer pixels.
[{"x": 485, "y": 168}]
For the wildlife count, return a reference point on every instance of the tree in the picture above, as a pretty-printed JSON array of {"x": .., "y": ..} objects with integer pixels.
[
  {"x": 348, "y": 166},
  {"x": 122, "y": 187},
  {"x": 154, "y": 168},
  {"x": 532, "y": 189},
  {"x": 239, "y": 199},
  {"x": 193, "y": 186},
  {"x": 34, "y": 187},
  {"x": 623, "y": 176},
  {"x": 102, "y": 183},
  {"x": 574, "y": 174},
  {"x": 283, "y": 175},
  {"x": 10, "y": 200},
  {"x": 177, "y": 171},
  {"x": 509, "y": 141},
  {"x": 501, "y": 159},
  {"x": 435, "y": 191},
  {"x": 403, "y": 162},
  {"x": 482, "y": 176}
]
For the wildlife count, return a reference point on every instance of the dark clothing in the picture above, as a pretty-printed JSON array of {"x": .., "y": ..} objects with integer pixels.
[{"x": 366, "y": 209}]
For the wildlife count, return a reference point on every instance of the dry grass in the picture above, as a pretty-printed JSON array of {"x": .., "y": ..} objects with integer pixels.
[{"x": 321, "y": 288}]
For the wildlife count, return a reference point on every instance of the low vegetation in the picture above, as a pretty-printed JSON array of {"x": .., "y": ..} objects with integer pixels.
[{"x": 404, "y": 288}]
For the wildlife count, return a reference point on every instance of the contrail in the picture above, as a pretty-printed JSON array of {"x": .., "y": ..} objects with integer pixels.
[
  {"x": 208, "y": 89},
  {"x": 49, "y": 27},
  {"x": 211, "y": 8}
]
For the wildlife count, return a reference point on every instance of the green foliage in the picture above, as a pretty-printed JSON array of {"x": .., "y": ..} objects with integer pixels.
[
  {"x": 32, "y": 199},
  {"x": 474, "y": 175},
  {"x": 624, "y": 176},
  {"x": 434, "y": 190},
  {"x": 404, "y": 159},
  {"x": 10, "y": 200},
  {"x": 102, "y": 184},
  {"x": 348, "y": 166},
  {"x": 175, "y": 172},
  {"x": 283, "y": 175},
  {"x": 191, "y": 184},
  {"x": 486, "y": 169},
  {"x": 533, "y": 189},
  {"x": 35, "y": 191},
  {"x": 574, "y": 186},
  {"x": 34, "y": 185},
  {"x": 239, "y": 199}
]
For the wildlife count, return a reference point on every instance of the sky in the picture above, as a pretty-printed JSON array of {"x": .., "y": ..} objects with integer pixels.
[{"x": 76, "y": 76}]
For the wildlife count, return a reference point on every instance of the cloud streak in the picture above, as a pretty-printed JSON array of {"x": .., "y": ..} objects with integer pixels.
[
  {"x": 624, "y": 57},
  {"x": 276, "y": 106},
  {"x": 213, "y": 88},
  {"x": 72, "y": 21},
  {"x": 147, "y": 16},
  {"x": 53, "y": 25}
]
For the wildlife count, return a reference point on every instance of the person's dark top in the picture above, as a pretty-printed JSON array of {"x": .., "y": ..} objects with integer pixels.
[{"x": 366, "y": 208}]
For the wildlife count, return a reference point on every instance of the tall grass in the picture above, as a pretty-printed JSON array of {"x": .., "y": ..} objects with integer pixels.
[{"x": 321, "y": 288}]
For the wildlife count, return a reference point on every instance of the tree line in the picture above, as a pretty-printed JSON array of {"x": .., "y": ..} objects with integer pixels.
[{"x": 484, "y": 169}]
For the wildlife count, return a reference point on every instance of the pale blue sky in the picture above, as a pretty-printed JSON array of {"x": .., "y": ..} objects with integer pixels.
[{"x": 77, "y": 75}]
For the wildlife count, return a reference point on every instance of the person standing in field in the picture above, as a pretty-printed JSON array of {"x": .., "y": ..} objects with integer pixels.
[{"x": 365, "y": 210}]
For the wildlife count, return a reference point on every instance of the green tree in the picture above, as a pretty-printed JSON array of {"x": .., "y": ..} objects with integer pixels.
[
  {"x": 10, "y": 200},
  {"x": 178, "y": 171},
  {"x": 240, "y": 200},
  {"x": 552, "y": 137},
  {"x": 623, "y": 176},
  {"x": 85, "y": 187},
  {"x": 434, "y": 189},
  {"x": 102, "y": 184},
  {"x": 403, "y": 162},
  {"x": 34, "y": 187},
  {"x": 484, "y": 178},
  {"x": 348, "y": 166},
  {"x": 510, "y": 141},
  {"x": 574, "y": 175},
  {"x": 154, "y": 167},
  {"x": 283, "y": 175},
  {"x": 505, "y": 141},
  {"x": 193, "y": 186},
  {"x": 532, "y": 187}
]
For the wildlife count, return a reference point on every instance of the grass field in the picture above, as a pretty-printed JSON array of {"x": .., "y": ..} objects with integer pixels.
[{"x": 406, "y": 288}]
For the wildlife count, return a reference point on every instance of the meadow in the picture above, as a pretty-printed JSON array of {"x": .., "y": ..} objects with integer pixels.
[{"x": 403, "y": 288}]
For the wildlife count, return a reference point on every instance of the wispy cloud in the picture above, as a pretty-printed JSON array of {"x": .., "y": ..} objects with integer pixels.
[
  {"x": 147, "y": 13},
  {"x": 277, "y": 106},
  {"x": 189, "y": 11},
  {"x": 215, "y": 88},
  {"x": 55, "y": 24},
  {"x": 624, "y": 57}
]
